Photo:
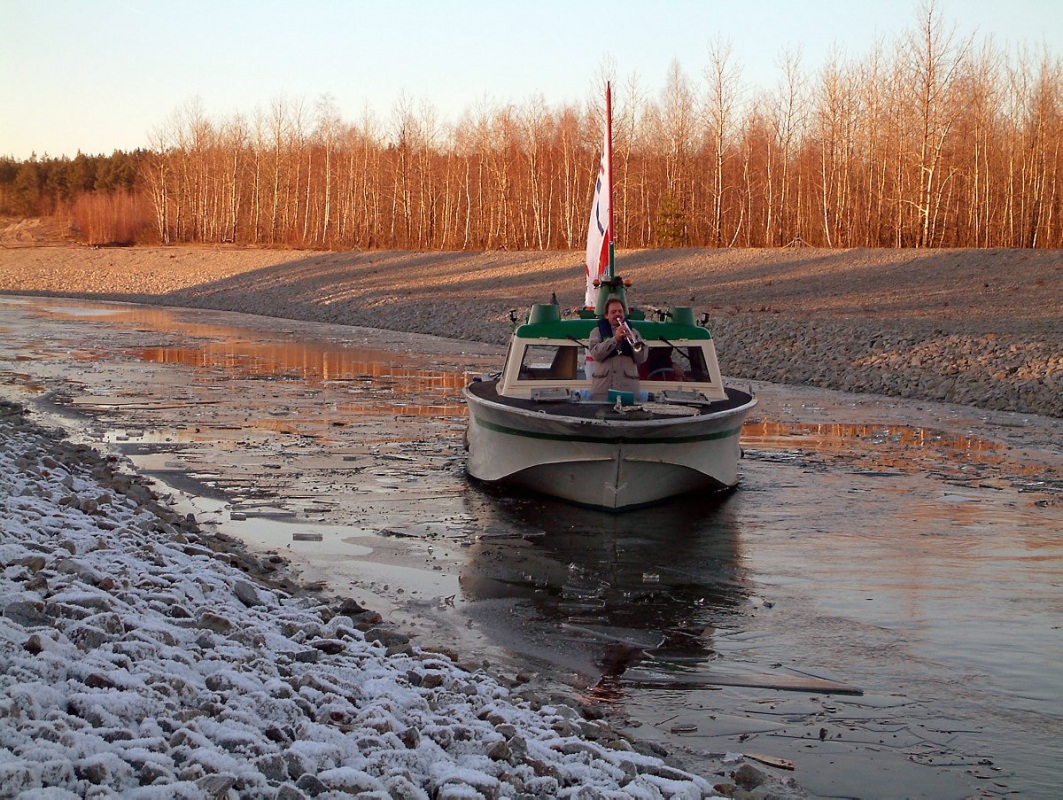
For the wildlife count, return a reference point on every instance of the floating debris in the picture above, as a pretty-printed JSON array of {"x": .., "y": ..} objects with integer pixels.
[
  {"x": 771, "y": 761},
  {"x": 684, "y": 728}
]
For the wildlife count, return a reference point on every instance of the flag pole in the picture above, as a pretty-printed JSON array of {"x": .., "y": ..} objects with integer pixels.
[{"x": 609, "y": 144}]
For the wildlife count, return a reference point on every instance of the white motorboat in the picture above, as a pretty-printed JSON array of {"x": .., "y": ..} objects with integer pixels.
[{"x": 536, "y": 425}]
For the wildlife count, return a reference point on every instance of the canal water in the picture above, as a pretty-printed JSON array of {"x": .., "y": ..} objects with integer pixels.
[{"x": 879, "y": 604}]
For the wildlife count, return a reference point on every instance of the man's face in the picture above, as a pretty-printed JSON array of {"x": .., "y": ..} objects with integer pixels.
[{"x": 615, "y": 314}]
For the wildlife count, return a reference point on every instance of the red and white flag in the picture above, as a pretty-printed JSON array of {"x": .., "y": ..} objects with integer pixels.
[{"x": 599, "y": 230}]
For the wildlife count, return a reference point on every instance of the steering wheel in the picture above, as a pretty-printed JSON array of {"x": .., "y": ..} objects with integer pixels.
[{"x": 663, "y": 371}]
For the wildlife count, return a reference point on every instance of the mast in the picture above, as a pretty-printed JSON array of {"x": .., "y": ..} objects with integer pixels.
[
  {"x": 601, "y": 250},
  {"x": 609, "y": 168}
]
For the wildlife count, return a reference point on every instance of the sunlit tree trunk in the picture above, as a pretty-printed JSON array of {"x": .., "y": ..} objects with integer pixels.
[
  {"x": 328, "y": 125},
  {"x": 722, "y": 78},
  {"x": 575, "y": 191},
  {"x": 778, "y": 153},
  {"x": 935, "y": 64},
  {"x": 535, "y": 123},
  {"x": 626, "y": 136}
]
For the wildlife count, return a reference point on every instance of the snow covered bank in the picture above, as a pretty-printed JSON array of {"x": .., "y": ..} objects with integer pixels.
[{"x": 136, "y": 662}]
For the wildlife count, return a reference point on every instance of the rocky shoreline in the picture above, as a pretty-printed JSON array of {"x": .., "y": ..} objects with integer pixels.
[
  {"x": 989, "y": 371},
  {"x": 980, "y": 328},
  {"x": 137, "y": 658}
]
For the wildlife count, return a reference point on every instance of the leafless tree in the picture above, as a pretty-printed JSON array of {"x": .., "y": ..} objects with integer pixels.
[
  {"x": 923, "y": 142},
  {"x": 722, "y": 79}
]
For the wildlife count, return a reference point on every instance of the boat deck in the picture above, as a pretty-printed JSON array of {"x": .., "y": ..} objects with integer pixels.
[{"x": 591, "y": 409}]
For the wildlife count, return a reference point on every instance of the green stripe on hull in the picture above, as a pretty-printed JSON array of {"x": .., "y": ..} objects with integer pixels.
[{"x": 565, "y": 437}]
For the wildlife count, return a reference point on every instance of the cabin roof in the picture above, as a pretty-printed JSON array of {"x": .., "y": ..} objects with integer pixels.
[{"x": 581, "y": 329}]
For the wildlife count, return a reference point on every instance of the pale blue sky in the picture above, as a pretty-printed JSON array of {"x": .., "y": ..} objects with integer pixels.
[{"x": 101, "y": 75}]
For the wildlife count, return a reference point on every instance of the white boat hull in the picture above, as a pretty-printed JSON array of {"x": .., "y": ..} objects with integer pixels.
[{"x": 603, "y": 463}]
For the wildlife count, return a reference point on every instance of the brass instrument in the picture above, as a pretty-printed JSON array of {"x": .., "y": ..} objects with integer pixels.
[{"x": 636, "y": 344}]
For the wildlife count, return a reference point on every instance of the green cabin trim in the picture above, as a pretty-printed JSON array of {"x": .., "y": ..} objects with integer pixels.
[{"x": 581, "y": 329}]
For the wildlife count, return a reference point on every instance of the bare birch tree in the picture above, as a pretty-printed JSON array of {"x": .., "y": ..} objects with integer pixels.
[
  {"x": 935, "y": 60},
  {"x": 927, "y": 144},
  {"x": 722, "y": 79}
]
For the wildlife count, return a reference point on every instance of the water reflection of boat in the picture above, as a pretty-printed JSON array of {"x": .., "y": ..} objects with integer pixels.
[
  {"x": 603, "y": 590},
  {"x": 537, "y": 425}
]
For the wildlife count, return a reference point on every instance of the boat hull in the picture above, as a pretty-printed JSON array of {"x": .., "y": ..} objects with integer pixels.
[{"x": 608, "y": 463}]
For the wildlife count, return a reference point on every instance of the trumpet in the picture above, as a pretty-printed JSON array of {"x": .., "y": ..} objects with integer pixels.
[{"x": 636, "y": 344}]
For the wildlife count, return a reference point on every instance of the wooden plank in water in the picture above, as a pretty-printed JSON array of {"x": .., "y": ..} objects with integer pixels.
[
  {"x": 644, "y": 679},
  {"x": 771, "y": 761}
]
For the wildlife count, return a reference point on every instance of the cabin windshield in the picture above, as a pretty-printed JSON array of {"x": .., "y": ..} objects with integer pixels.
[
  {"x": 675, "y": 363},
  {"x": 567, "y": 362},
  {"x": 553, "y": 362},
  {"x": 679, "y": 364}
]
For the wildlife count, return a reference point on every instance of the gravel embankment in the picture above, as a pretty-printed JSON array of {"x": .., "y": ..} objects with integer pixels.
[{"x": 976, "y": 327}]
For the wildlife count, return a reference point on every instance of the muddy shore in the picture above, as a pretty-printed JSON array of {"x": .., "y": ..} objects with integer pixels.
[{"x": 976, "y": 327}]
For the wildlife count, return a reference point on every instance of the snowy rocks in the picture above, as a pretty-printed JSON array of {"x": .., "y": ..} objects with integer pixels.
[
  {"x": 135, "y": 661},
  {"x": 246, "y": 593},
  {"x": 27, "y": 614}
]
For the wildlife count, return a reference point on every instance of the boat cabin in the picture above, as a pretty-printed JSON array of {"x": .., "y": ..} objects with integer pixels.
[{"x": 548, "y": 358}]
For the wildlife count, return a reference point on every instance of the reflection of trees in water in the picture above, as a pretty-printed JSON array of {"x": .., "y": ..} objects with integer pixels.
[{"x": 657, "y": 579}]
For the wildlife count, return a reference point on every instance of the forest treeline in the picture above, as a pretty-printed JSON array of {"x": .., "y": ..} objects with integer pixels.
[{"x": 930, "y": 141}]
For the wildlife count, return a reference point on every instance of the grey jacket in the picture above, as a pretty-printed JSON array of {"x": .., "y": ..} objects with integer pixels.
[{"x": 614, "y": 367}]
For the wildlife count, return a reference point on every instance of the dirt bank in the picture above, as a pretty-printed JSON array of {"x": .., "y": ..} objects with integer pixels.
[{"x": 976, "y": 327}]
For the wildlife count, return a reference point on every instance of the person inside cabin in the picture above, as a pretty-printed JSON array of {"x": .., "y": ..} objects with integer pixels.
[
  {"x": 616, "y": 362},
  {"x": 660, "y": 367}
]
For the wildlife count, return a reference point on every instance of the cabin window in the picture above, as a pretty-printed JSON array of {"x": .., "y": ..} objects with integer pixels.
[
  {"x": 695, "y": 367},
  {"x": 667, "y": 363},
  {"x": 552, "y": 362}
]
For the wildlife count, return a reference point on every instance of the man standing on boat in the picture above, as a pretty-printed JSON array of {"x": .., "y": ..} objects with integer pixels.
[{"x": 614, "y": 348}]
